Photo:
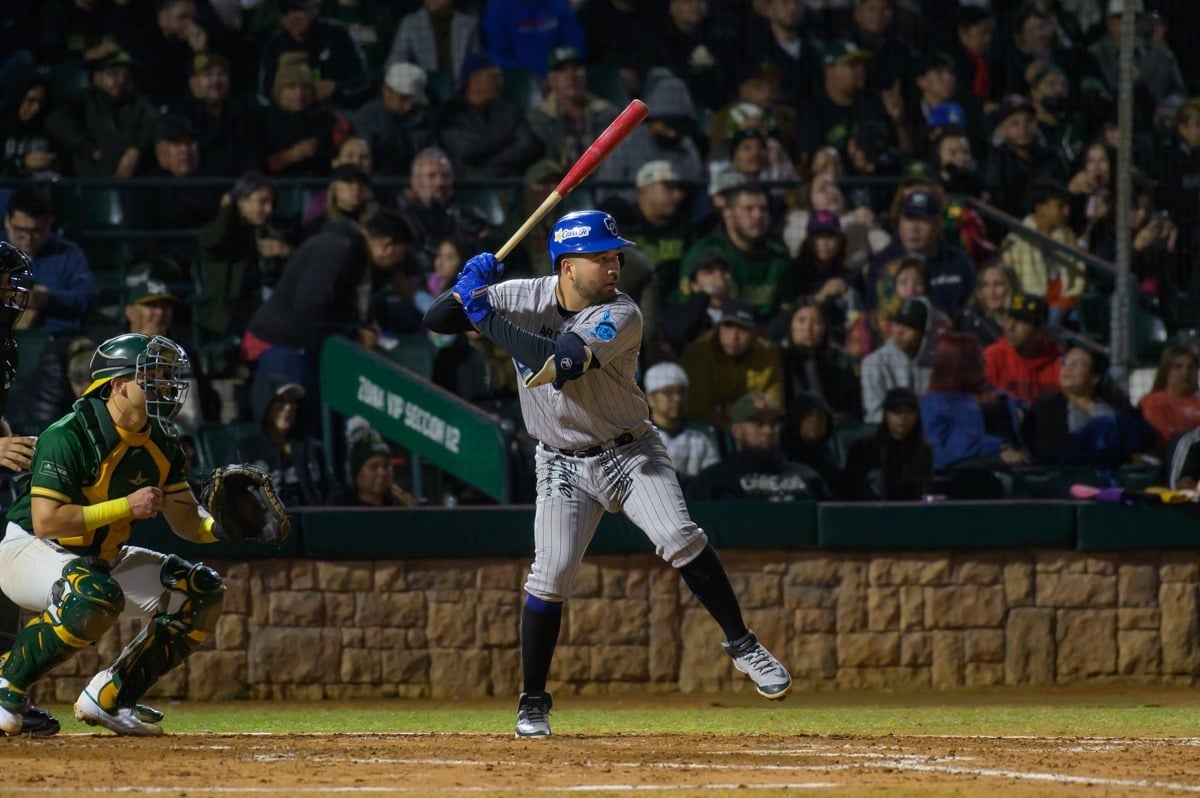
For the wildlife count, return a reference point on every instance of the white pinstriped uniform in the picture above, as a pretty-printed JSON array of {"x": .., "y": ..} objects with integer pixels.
[{"x": 574, "y": 492}]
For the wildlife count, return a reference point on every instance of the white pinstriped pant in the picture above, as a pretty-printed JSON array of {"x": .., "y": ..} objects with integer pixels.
[{"x": 574, "y": 492}]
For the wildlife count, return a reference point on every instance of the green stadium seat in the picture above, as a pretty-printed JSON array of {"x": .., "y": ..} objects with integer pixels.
[
  {"x": 522, "y": 88},
  {"x": 414, "y": 352},
  {"x": 604, "y": 80},
  {"x": 101, "y": 209},
  {"x": 845, "y": 433},
  {"x": 214, "y": 443}
]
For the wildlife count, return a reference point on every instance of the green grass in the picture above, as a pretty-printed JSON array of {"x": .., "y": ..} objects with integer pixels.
[{"x": 1116, "y": 715}]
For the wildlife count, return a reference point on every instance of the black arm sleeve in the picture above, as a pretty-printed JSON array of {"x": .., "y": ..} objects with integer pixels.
[
  {"x": 446, "y": 315},
  {"x": 530, "y": 350}
]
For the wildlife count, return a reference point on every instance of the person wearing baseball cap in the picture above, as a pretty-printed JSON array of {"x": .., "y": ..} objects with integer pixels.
[
  {"x": 899, "y": 362},
  {"x": 1018, "y": 160},
  {"x": 398, "y": 123},
  {"x": 222, "y": 124},
  {"x": 757, "y": 468},
  {"x": 569, "y": 117},
  {"x": 345, "y": 81},
  {"x": 841, "y": 103},
  {"x": 726, "y": 362},
  {"x": 1056, "y": 277},
  {"x": 1026, "y": 362},
  {"x": 691, "y": 445}
]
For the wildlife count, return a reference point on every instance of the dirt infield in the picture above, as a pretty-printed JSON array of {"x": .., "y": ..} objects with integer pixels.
[{"x": 196, "y": 765}]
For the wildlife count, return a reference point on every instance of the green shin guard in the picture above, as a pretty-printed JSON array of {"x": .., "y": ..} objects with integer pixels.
[
  {"x": 167, "y": 640},
  {"x": 86, "y": 602}
]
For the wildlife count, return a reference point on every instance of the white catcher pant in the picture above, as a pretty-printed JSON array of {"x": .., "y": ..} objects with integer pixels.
[
  {"x": 29, "y": 567},
  {"x": 573, "y": 493}
]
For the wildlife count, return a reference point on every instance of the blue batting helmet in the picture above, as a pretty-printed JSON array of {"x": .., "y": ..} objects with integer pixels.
[{"x": 584, "y": 231}]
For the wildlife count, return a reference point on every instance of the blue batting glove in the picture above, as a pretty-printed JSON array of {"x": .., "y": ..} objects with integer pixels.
[
  {"x": 472, "y": 292},
  {"x": 485, "y": 266}
]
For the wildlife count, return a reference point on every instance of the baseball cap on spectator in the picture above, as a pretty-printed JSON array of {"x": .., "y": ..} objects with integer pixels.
[
  {"x": 290, "y": 392},
  {"x": 744, "y": 134},
  {"x": 652, "y": 173},
  {"x": 921, "y": 205},
  {"x": 145, "y": 286},
  {"x": 349, "y": 173},
  {"x": 668, "y": 97},
  {"x": 543, "y": 170},
  {"x": 755, "y": 405},
  {"x": 296, "y": 5},
  {"x": 563, "y": 55},
  {"x": 934, "y": 60},
  {"x": 665, "y": 375},
  {"x": 204, "y": 61},
  {"x": 824, "y": 222},
  {"x": 1012, "y": 104},
  {"x": 474, "y": 62},
  {"x": 840, "y": 50},
  {"x": 913, "y": 312},
  {"x": 1028, "y": 307},
  {"x": 1047, "y": 69},
  {"x": 901, "y": 399},
  {"x": 363, "y": 450},
  {"x": 948, "y": 114},
  {"x": 1117, "y": 7},
  {"x": 407, "y": 79},
  {"x": 726, "y": 180},
  {"x": 111, "y": 56},
  {"x": 174, "y": 127},
  {"x": 739, "y": 312}
]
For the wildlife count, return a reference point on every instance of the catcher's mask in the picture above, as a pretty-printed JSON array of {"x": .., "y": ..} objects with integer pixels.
[
  {"x": 158, "y": 365},
  {"x": 16, "y": 281}
]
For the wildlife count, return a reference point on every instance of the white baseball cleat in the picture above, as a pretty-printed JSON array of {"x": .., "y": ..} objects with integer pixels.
[
  {"x": 533, "y": 715},
  {"x": 122, "y": 720},
  {"x": 751, "y": 657}
]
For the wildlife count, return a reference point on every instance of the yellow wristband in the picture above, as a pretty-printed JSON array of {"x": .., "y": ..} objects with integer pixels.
[
  {"x": 104, "y": 513},
  {"x": 206, "y": 530}
]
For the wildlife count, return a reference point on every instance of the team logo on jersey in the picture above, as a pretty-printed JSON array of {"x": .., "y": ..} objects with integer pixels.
[
  {"x": 566, "y": 363},
  {"x": 54, "y": 470},
  {"x": 579, "y": 231},
  {"x": 605, "y": 330},
  {"x": 138, "y": 479}
]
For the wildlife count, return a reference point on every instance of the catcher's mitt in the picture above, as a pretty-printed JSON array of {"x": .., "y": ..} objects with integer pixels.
[{"x": 242, "y": 501}]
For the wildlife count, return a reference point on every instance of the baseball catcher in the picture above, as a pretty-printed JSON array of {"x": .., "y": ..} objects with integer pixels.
[{"x": 243, "y": 505}]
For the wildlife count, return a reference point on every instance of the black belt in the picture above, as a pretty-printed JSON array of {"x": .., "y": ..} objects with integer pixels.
[{"x": 598, "y": 449}]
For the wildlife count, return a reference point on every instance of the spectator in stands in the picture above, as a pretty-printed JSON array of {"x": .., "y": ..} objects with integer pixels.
[
  {"x": 436, "y": 37},
  {"x": 1091, "y": 197},
  {"x": 891, "y": 56},
  {"x": 282, "y": 447},
  {"x": 607, "y": 26},
  {"x": 896, "y": 462},
  {"x": 841, "y": 105},
  {"x": 757, "y": 468},
  {"x": 970, "y": 424},
  {"x": 107, "y": 129},
  {"x": 231, "y": 280},
  {"x": 318, "y": 295},
  {"x": 1057, "y": 278},
  {"x": 167, "y": 41},
  {"x": 700, "y": 307},
  {"x": 452, "y": 253},
  {"x": 726, "y": 362},
  {"x": 985, "y": 315},
  {"x": 1025, "y": 363},
  {"x": 749, "y": 154},
  {"x": 1173, "y": 404},
  {"x": 484, "y": 134},
  {"x": 74, "y": 31},
  {"x": 1179, "y": 174},
  {"x": 900, "y": 279},
  {"x": 778, "y": 41},
  {"x": 901, "y": 362},
  {"x": 666, "y": 135},
  {"x": 477, "y": 371},
  {"x": 951, "y": 275},
  {"x": 1020, "y": 160},
  {"x": 1089, "y": 421},
  {"x": 569, "y": 117},
  {"x": 936, "y": 87},
  {"x": 369, "y": 469},
  {"x": 64, "y": 290},
  {"x": 399, "y": 123},
  {"x": 25, "y": 146},
  {"x": 692, "y": 445},
  {"x": 974, "y": 66},
  {"x": 864, "y": 236},
  {"x": 815, "y": 365},
  {"x": 349, "y": 196},
  {"x": 521, "y": 34},
  {"x": 1059, "y": 128},
  {"x": 429, "y": 209},
  {"x": 530, "y": 257},
  {"x": 326, "y": 48},
  {"x": 758, "y": 262},
  {"x": 372, "y": 26},
  {"x": 355, "y": 152},
  {"x": 688, "y": 42},
  {"x": 1155, "y": 67},
  {"x": 822, "y": 273},
  {"x": 299, "y": 136},
  {"x": 400, "y": 299},
  {"x": 656, "y": 221},
  {"x": 47, "y": 392},
  {"x": 1036, "y": 36},
  {"x": 806, "y": 435},
  {"x": 226, "y": 130},
  {"x": 1183, "y": 465}
]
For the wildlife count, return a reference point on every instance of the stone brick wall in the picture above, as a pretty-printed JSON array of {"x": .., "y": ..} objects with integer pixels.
[{"x": 312, "y": 630}]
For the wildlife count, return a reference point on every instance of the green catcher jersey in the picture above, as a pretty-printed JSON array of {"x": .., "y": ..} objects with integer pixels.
[{"x": 84, "y": 458}]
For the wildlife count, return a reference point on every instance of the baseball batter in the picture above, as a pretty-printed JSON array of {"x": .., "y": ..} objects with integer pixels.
[
  {"x": 574, "y": 339},
  {"x": 64, "y": 556}
]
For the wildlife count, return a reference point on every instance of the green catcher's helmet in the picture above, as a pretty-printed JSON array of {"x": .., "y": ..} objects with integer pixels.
[{"x": 158, "y": 365}]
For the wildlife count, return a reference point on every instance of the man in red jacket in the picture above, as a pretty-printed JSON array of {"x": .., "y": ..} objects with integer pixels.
[{"x": 1025, "y": 362}]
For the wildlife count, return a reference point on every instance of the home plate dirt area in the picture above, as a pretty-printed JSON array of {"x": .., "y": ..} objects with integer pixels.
[{"x": 676, "y": 765}]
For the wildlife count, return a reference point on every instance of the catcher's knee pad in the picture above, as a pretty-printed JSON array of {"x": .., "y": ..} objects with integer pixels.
[
  {"x": 205, "y": 594},
  {"x": 86, "y": 601}
]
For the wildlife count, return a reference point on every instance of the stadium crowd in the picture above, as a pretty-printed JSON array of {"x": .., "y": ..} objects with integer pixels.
[{"x": 825, "y": 315}]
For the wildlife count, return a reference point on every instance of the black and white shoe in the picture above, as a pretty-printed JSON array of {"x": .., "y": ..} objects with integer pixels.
[
  {"x": 533, "y": 715},
  {"x": 751, "y": 657},
  {"x": 37, "y": 722}
]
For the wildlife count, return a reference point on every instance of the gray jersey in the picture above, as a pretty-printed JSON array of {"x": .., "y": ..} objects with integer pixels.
[{"x": 604, "y": 402}]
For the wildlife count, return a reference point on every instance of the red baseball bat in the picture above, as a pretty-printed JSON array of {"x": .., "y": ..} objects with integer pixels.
[{"x": 601, "y": 148}]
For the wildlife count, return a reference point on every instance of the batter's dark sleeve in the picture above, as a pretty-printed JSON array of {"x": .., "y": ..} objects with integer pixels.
[
  {"x": 446, "y": 315},
  {"x": 530, "y": 349}
]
